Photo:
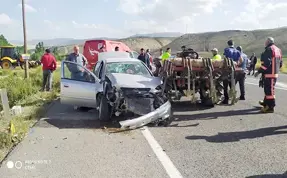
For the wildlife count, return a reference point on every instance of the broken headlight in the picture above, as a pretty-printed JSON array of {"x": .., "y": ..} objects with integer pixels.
[{"x": 111, "y": 94}]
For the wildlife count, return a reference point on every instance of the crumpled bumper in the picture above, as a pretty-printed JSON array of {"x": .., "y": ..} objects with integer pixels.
[{"x": 162, "y": 112}]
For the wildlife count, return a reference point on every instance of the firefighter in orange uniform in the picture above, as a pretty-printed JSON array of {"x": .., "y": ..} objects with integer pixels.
[{"x": 271, "y": 62}]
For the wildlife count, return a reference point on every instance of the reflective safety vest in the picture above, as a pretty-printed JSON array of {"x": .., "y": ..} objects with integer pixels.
[
  {"x": 217, "y": 57},
  {"x": 271, "y": 61},
  {"x": 165, "y": 56}
]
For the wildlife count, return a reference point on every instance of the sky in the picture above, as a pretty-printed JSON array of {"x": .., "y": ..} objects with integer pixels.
[{"x": 83, "y": 19}]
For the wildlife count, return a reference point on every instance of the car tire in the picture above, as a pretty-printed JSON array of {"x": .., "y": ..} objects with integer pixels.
[
  {"x": 6, "y": 64},
  {"x": 104, "y": 109}
]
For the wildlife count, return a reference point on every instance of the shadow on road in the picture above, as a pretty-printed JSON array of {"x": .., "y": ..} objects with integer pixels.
[
  {"x": 237, "y": 136},
  {"x": 76, "y": 124},
  {"x": 215, "y": 115},
  {"x": 284, "y": 175},
  {"x": 180, "y": 106}
]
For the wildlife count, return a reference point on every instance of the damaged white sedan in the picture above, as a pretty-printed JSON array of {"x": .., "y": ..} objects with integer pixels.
[{"x": 115, "y": 87}]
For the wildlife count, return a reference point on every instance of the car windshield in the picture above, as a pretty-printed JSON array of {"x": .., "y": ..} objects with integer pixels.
[{"x": 135, "y": 68}]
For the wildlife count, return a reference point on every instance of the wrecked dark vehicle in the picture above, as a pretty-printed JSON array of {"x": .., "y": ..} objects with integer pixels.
[{"x": 122, "y": 86}]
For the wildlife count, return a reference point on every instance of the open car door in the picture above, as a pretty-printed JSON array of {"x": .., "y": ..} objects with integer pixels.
[{"x": 79, "y": 86}]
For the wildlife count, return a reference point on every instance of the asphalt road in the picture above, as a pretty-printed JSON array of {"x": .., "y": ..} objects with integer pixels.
[{"x": 225, "y": 141}]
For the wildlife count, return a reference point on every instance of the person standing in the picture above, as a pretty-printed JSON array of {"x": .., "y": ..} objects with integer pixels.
[
  {"x": 253, "y": 61},
  {"x": 215, "y": 55},
  {"x": 149, "y": 58},
  {"x": 76, "y": 57},
  {"x": 218, "y": 84},
  {"x": 242, "y": 75},
  {"x": 49, "y": 65},
  {"x": 144, "y": 58},
  {"x": 271, "y": 62},
  {"x": 166, "y": 54},
  {"x": 231, "y": 53}
]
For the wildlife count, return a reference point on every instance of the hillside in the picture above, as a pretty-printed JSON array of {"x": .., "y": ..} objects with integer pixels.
[
  {"x": 155, "y": 35},
  {"x": 251, "y": 41},
  {"x": 135, "y": 43},
  {"x": 71, "y": 41}
]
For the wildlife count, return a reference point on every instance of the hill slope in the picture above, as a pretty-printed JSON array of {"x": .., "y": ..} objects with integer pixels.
[
  {"x": 135, "y": 43},
  {"x": 251, "y": 41}
]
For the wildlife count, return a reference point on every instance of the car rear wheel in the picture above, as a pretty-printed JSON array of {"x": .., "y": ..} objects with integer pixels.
[{"x": 104, "y": 109}]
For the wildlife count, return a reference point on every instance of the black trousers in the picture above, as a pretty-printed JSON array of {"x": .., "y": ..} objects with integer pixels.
[
  {"x": 269, "y": 91},
  {"x": 252, "y": 68},
  {"x": 239, "y": 78}
]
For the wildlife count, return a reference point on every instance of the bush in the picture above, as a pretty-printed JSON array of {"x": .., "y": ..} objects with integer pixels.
[{"x": 19, "y": 89}]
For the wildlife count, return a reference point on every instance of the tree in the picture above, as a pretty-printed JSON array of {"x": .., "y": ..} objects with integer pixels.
[
  {"x": 39, "y": 51},
  {"x": 20, "y": 49},
  {"x": 40, "y": 48},
  {"x": 3, "y": 41},
  {"x": 56, "y": 53}
]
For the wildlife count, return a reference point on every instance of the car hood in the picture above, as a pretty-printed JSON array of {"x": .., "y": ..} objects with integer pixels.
[{"x": 134, "y": 81}]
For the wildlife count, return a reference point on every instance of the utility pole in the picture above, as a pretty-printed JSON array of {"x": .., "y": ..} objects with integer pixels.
[{"x": 25, "y": 39}]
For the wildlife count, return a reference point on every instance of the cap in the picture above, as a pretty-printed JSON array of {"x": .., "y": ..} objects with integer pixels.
[{"x": 215, "y": 49}]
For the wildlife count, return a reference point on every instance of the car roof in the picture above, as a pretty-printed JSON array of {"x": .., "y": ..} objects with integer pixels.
[{"x": 110, "y": 60}]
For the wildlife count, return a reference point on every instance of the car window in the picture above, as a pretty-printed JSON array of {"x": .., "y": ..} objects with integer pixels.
[
  {"x": 135, "y": 54},
  {"x": 97, "y": 69},
  {"x": 77, "y": 72},
  {"x": 135, "y": 68}
]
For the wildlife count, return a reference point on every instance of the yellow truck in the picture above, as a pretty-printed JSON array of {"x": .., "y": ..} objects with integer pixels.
[{"x": 9, "y": 57}]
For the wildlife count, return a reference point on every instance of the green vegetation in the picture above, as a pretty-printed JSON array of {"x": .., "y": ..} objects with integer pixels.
[
  {"x": 3, "y": 41},
  {"x": 24, "y": 92},
  {"x": 40, "y": 50}
]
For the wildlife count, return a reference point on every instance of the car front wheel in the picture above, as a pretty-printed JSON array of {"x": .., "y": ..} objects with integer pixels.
[{"x": 104, "y": 109}]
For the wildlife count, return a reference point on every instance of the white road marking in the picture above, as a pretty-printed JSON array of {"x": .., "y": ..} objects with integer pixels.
[
  {"x": 169, "y": 167},
  {"x": 283, "y": 85},
  {"x": 279, "y": 88}
]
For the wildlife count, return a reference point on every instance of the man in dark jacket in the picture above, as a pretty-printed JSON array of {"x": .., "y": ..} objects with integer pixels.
[
  {"x": 144, "y": 58},
  {"x": 271, "y": 62},
  {"x": 49, "y": 64},
  {"x": 235, "y": 55},
  {"x": 253, "y": 61}
]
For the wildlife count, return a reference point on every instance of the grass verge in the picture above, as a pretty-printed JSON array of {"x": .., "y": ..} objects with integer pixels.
[{"x": 24, "y": 92}]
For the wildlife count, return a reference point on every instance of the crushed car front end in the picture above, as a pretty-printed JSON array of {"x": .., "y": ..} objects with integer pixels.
[{"x": 147, "y": 103}]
